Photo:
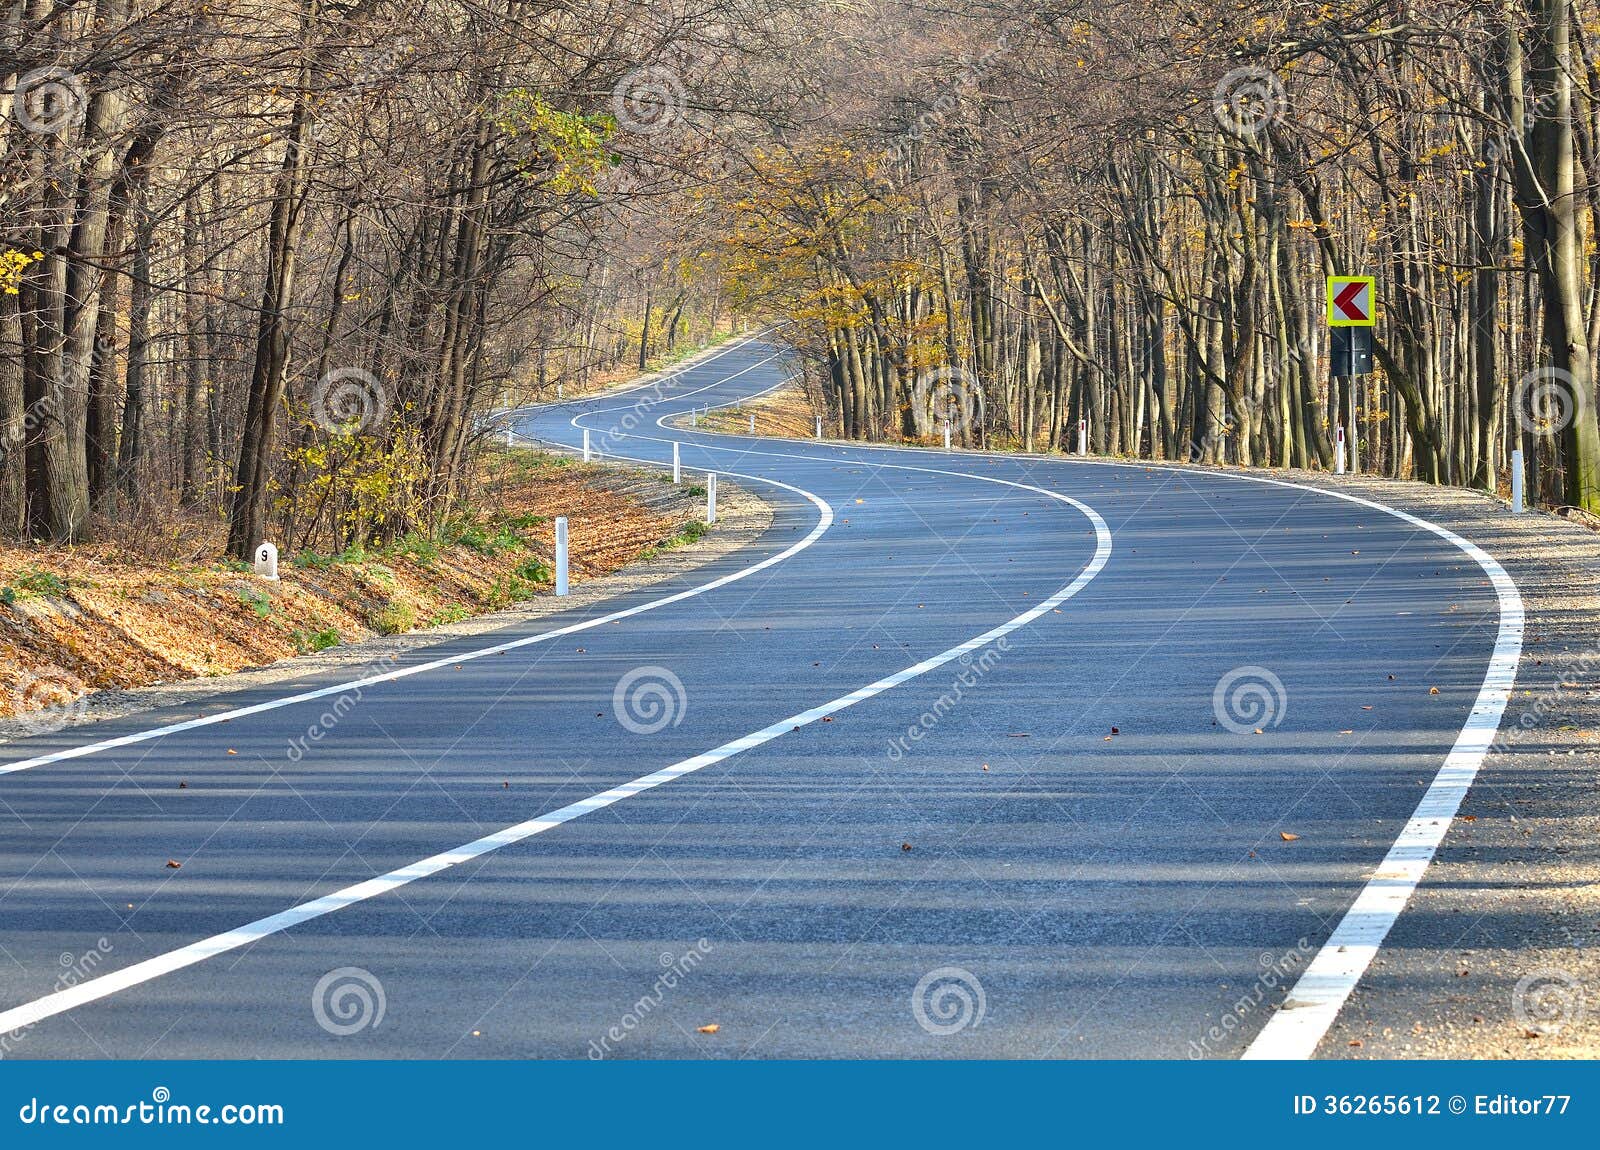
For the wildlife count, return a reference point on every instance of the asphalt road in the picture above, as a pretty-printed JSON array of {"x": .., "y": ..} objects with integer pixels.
[{"x": 1083, "y": 850}]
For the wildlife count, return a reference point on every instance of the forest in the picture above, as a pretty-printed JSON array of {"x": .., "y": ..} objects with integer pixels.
[{"x": 272, "y": 266}]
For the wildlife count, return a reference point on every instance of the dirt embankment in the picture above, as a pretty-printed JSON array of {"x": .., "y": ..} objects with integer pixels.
[
  {"x": 106, "y": 618},
  {"x": 786, "y": 413}
]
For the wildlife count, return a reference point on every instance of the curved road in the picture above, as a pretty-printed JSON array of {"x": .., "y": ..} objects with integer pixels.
[{"x": 960, "y": 759}]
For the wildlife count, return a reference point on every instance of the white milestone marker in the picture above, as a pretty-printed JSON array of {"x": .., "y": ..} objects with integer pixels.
[{"x": 267, "y": 561}]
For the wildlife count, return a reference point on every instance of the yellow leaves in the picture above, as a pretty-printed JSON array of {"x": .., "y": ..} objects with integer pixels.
[{"x": 12, "y": 266}]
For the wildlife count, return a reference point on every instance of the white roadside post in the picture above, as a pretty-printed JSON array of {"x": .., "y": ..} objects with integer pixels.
[
  {"x": 677, "y": 465},
  {"x": 559, "y": 393},
  {"x": 752, "y": 425},
  {"x": 1083, "y": 437},
  {"x": 561, "y": 555},
  {"x": 819, "y": 427},
  {"x": 511, "y": 435},
  {"x": 1516, "y": 482},
  {"x": 1338, "y": 451},
  {"x": 947, "y": 435},
  {"x": 586, "y": 445},
  {"x": 694, "y": 417},
  {"x": 711, "y": 498},
  {"x": 267, "y": 562}
]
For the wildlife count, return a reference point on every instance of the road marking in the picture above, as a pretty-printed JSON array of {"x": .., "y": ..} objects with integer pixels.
[
  {"x": 1316, "y": 998},
  {"x": 79, "y": 752},
  {"x": 31, "y": 1013}
]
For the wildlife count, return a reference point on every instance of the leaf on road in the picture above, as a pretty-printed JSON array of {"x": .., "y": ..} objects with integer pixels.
[
  {"x": 1287, "y": 837},
  {"x": 905, "y": 846},
  {"x": 173, "y": 864},
  {"x": 712, "y": 1027},
  {"x": 1433, "y": 690}
]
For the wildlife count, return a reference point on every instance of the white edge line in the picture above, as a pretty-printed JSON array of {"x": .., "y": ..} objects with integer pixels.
[
  {"x": 1314, "y": 1002},
  {"x": 31, "y": 1013}
]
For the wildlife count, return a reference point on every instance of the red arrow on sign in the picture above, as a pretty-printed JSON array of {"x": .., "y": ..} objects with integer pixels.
[{"x": 1345, "y": 301}]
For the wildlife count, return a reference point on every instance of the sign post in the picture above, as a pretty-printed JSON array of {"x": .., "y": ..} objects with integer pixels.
[{"x": 1351, "y": 313}]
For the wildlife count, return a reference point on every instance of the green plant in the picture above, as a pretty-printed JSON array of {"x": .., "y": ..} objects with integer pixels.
[
  {"x": 533, "y": 571},
  {"x": 417, "y": 547},
  {"x": 43, "y": 583},
  {"x": 313, "y": 560},
  {"x": 394, "y": 619},
  {"x": 451, "y": 614},
  {"x": 308, "y": 641},
  {"x": 257, "y": 601},
  {"x": 8, "y": 595}
]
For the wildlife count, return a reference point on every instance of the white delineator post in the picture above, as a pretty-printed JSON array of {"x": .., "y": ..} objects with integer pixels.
[
  {"x": 677, "y": 465},
  {"x": 586, "y": 445},
  {"x": 947, "y": 435},
  {"x": 752, "y": 425},
  {"x": 561, "y": 555},
  {"x": 819, "y": 427},
  {"x": 559, "y": 392},
  {"x": 1083, "y": 437},
  {"x": 267, "y": 561},
  {"x": 511, "y": 435},
  {"x": 1517, "y": 504},
  {"x": 711, "y": 498},
  {"x": 1338, "y": 451}
]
